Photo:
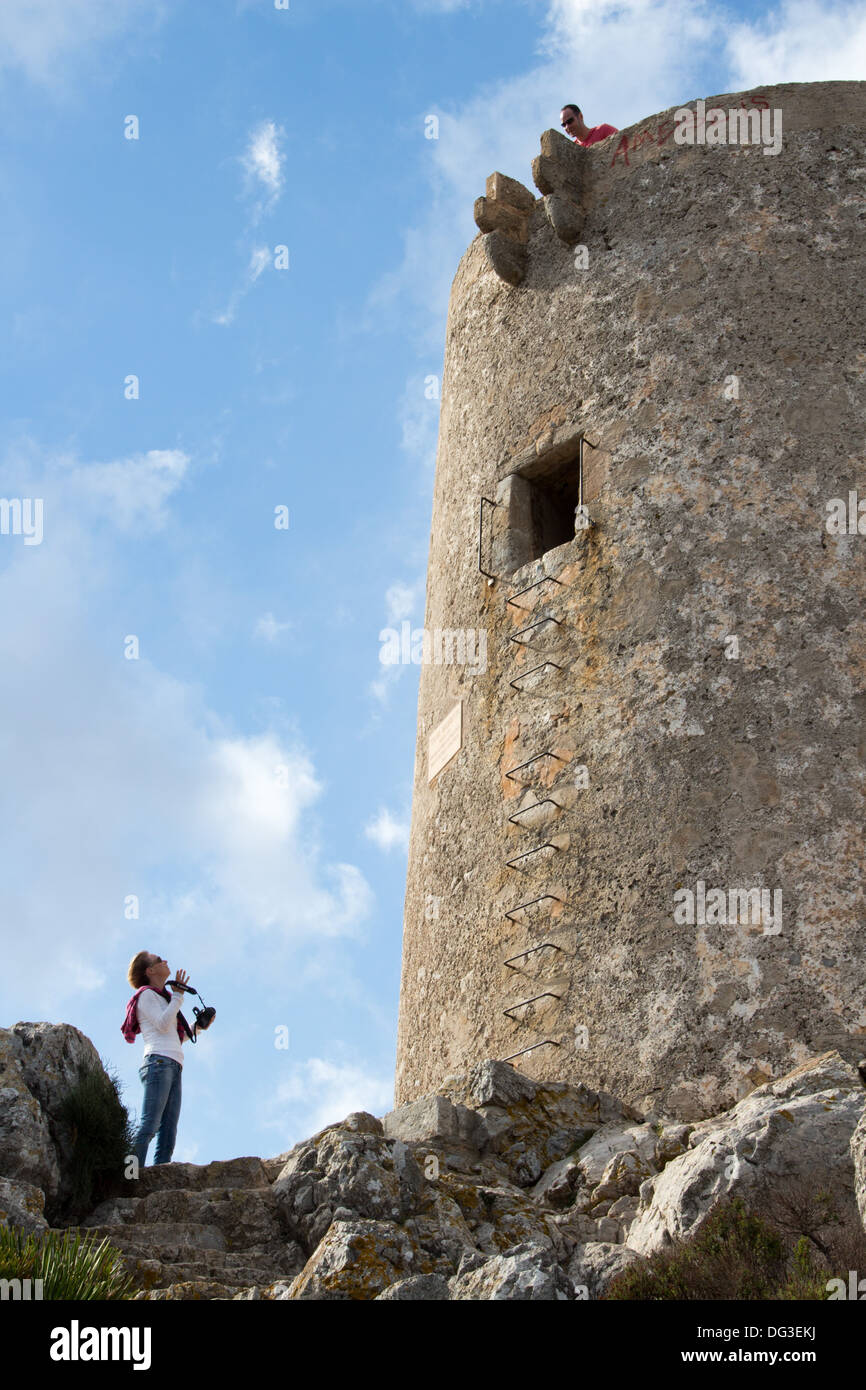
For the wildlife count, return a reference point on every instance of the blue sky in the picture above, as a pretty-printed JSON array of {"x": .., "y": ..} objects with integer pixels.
[{"x": 247, "y": 776}]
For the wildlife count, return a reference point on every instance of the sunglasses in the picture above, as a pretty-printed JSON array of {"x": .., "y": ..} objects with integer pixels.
[{"x": 571, "y": 120}]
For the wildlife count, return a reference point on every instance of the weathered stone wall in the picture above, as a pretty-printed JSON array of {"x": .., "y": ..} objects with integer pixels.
[{"x": 709, "y": 523}]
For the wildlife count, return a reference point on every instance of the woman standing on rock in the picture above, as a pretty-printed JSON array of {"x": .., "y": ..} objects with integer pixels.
[{"x": 164, "y": 1029}]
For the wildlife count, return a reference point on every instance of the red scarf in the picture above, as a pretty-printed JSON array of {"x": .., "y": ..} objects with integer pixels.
[{"x": 130, "y": 1027}]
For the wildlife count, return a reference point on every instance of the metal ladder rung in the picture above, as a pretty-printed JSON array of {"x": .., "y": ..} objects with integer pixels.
[
  {"x": 548, "y": 801},
  {"x": 547, "y": 1042},
  {"x": 512, "y": 863},
  {"x": 490, "y": 502},
  {"x": 545, "y": 579},
  {"x": 545, "y": 946},
  {"x": 548, "y": 618},
  {"x": 532, "y": 672},
  {"x": 538, "y": 756},
  {"x": 544, "y": 897},
  {"x": 547, "y": 994}
]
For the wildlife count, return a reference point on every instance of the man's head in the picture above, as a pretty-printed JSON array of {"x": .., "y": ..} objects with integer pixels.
[
  {"x": 571, "y": 121},
  {"x": 147, "y": 969}
]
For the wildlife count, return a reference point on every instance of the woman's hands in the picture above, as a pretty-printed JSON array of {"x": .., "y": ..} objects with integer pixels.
[{"x": 180, "y": 978}]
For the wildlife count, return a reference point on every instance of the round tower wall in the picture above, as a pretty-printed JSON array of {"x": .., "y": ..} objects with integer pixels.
[{"x": 675, "y": 714}]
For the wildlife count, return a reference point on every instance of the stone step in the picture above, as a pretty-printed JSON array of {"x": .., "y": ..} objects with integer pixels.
[
  {"x": 228, "y": 1270},
  {"x": 162, "y": 1253},
  {"x": 165, "y": 1241},
  {"x": 198, "y": 1290},
  {"x": 245, "y": 1216},
  {"x": 190, "y": 1177}
]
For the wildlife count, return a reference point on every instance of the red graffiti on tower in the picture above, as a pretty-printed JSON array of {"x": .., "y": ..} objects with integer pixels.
[{"x": 630, "y": 144}]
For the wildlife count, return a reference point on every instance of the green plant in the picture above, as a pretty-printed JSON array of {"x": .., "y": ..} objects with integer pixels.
[
  {"x": 736, "y": 1255},
  {"x": 805, "y": 1280},
  {"x": 67, "y": 1265},
  {"x": 101, "y": 1133}
]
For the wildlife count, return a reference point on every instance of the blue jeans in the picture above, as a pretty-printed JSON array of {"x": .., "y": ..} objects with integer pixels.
[{"x": 161, "y": 1079}]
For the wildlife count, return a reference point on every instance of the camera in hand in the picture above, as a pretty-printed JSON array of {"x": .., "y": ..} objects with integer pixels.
[{"x": 204, "y": 1016}]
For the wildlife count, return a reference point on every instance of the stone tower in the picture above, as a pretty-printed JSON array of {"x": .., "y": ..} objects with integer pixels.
[{"x": 637, "y": 846}]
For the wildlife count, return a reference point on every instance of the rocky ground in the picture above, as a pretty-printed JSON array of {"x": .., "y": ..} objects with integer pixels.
[{"x": 496, "y": 1187}]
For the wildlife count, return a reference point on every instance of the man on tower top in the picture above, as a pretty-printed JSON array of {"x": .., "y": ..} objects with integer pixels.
[{"x": 572, "y": 122}]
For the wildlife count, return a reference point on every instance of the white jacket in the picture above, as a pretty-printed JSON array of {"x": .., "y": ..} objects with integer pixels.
[{"x": 158, "y": 1023}]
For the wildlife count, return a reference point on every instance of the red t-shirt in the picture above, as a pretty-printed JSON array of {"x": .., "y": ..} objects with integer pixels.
[{"x": 598, "y": 132}]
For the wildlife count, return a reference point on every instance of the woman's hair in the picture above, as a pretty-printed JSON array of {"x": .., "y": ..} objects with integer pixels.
[{"x": 137, "y": 972}]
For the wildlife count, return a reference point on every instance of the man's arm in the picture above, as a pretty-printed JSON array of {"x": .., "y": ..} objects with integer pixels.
[{"x": 160, "y": 1015}]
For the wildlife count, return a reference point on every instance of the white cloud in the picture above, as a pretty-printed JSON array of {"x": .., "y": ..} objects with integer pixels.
[
  {"x": 800, "y": 41},
  {"x": 262, "y": 162},
  {"x": 419, "y": 422},
  {"x": 258, "y": 261},
  {"x": 320, "y": 1093},
  {"x": 262, "y": 159},
  {"x": 119, "y": 780},
  {"x": 41, "y": 38},
  {"x": 251, "y": 796},
  {"x": 132, "y": 491},
  {"x": 380, "y": 688},
  {"x": 401, "y": 599},
  {"x": 387, "y": 832},
  {"x": 268, "y": 628},
  {"x": 260, "y": 257}
]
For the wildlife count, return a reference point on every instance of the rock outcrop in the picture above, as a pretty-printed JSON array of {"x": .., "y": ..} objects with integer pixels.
[
  {"x": 39, "y": 1065},
  {"x": 800, "y": 1127},
  {"x": 497, "y": 1187}
]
